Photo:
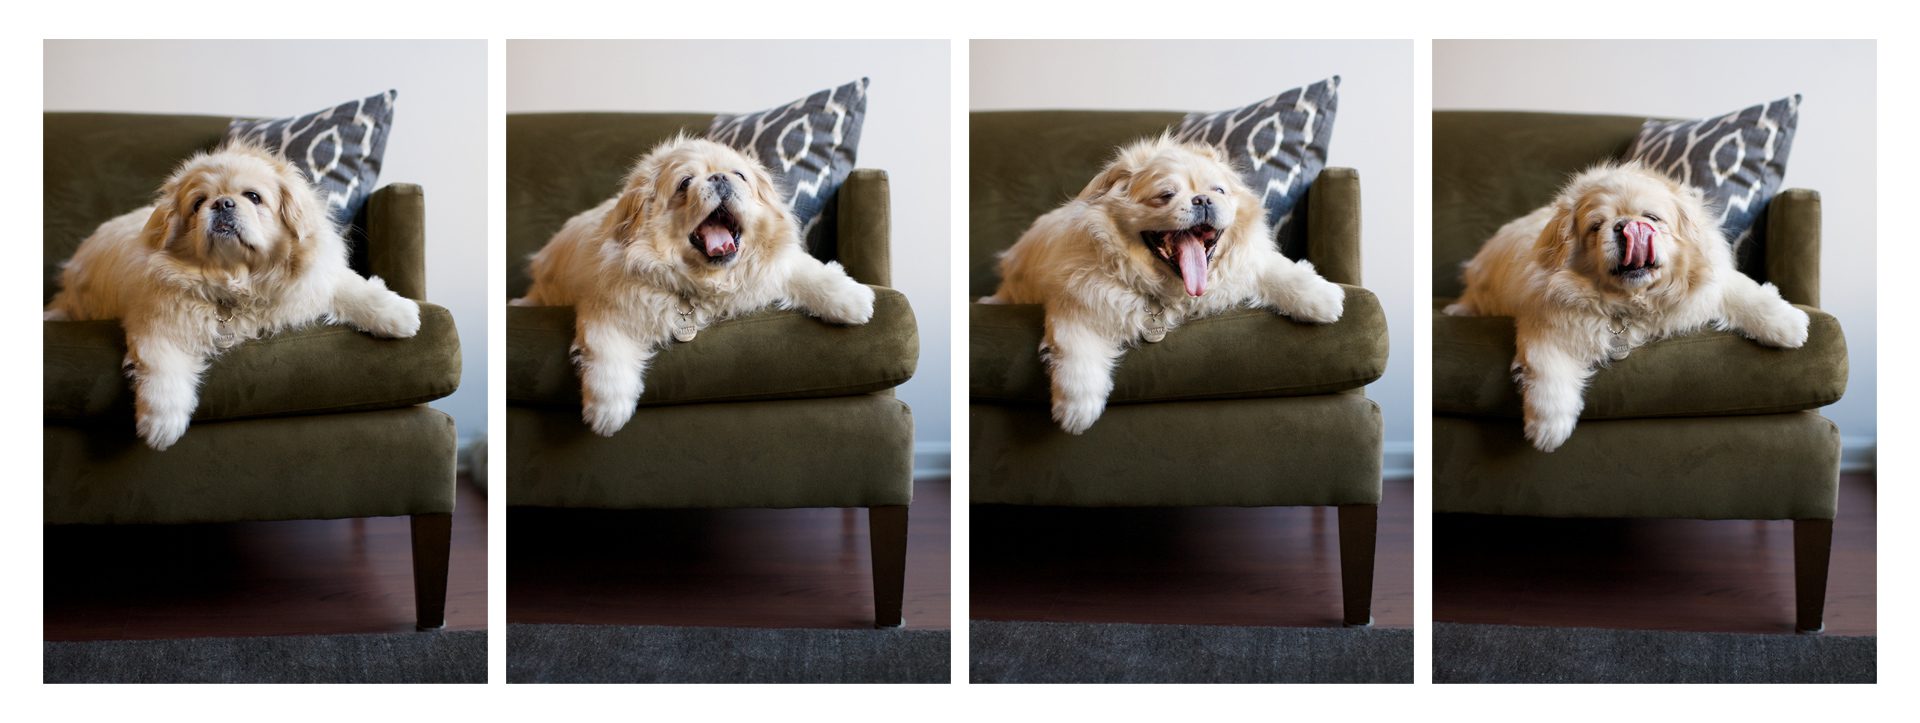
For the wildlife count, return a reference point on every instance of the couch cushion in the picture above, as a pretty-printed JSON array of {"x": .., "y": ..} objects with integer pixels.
[
  {"x": 313, "y": 467},
  {"x": 1239, "y": 354},
  {"x": 1318, "y": 450},
  {"x": 769, "y": 355},
  {"x": 1703, "y": 374},
  {"x": 854, "y": 451},
  {"x": 322, "y": 368}
]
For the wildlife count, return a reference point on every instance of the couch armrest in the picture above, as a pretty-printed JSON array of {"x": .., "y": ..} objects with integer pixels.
[
  {"x": 1333, "y": 225},
  {"x": 397, "y": 238},
  {"x": 1793, "y": 245},
  {"x": 866, "y": 219}
]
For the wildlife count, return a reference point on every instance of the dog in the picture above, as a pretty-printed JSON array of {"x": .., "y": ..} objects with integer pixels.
[
  {"x": 238, "y": 245},
  {"x": 1624, "y": 256},
  {"x": 698, "y": 234},
  {"x": 1165, "y": 233}
]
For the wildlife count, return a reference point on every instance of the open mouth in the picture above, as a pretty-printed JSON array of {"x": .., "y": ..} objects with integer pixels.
[
  {"x": 717, "y": 236},
  {"x": 1637, "y": 259},
  {"x": 224, "y": 229},
  {"x": 1187, "y": 250}
]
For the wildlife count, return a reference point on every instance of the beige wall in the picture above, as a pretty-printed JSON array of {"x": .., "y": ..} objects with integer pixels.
[{"x": 439, "y": 136}]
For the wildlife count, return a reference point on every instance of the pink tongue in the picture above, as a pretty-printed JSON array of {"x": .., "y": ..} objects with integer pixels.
[
  {"x": 718, "y": 239},
  {"x": 1639, "y": 244},
  {"x": 1193, "y": 263}
]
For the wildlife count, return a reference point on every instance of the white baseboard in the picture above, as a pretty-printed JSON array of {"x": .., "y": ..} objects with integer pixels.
[
  {"x": 1857, "y": 454},
  {"x": 932, "y": 459},
  {"x": 1396, "y": 458}
]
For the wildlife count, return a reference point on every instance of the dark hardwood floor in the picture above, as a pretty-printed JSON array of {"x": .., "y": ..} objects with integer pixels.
[
  {"x": 254, "y": 578},
  {"x": 806, "y": 568},
  {"x": 1725, "y": 576},
  {"x": 1274, "y": 566}
]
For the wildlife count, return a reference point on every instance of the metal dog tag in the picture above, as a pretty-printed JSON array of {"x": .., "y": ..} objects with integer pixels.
[
  {"x": 684, "y": 328},
  {"x": 1156, "y": 324},
  {"x": 223, "y": 336}
]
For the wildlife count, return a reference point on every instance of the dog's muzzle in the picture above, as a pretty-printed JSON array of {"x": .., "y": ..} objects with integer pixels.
[
  {"x": 718, "y": 235},
  {"x": 1187, "y": 250},
  {"x": 1637, "y": 256}
]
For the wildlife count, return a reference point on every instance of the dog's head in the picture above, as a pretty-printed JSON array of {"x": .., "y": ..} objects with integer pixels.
[
  {"x": 1180, "y": 207},
  {"x": 701, "y": 203},
  {"x": 1629, "y": 227},
  {"x": 240, "y": 209}
]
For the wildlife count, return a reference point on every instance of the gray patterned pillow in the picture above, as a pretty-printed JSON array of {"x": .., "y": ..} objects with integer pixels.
[
  {"x": 809, "y": 146},
  {"x": 339, "y": 148},
  {"x": 1280, "y": 146},
  {"x": 1738, "y": 160}
]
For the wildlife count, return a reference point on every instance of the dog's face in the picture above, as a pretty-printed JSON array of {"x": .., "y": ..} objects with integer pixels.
[
  {"x": 1179, "y": 206},
  {"x": 701, "y": 203},
  {"x": 1630, "y": 228},
  {"x": 238, "y": 209}
]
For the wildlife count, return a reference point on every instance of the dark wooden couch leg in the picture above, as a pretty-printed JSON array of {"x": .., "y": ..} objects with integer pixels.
[
  {"x": 887, "y": 533},
  {"x": 432, "y": 543},
  {"x": 1357, "y": 526},
  {"x": 1812, "y": 545}
]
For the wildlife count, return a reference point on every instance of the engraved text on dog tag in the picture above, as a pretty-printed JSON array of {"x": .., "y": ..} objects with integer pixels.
[
  {"x": 223, "y": 336},
  {"x": 684, "y": 327},
  {"x": 1156, "y": 323}
]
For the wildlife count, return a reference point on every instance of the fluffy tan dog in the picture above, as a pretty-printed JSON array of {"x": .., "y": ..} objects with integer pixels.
[
  {"x": 697, "y": 235},
  {"x": 1166, "y": 233},
  {"x": 1622, "y": 257},
  {"x": 237, "y": 246}
]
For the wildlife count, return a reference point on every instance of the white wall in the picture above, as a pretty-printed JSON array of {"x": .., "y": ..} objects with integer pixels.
[
  {"x": 1833, "y": 151},
  {"x": 439, "y": 136},
  {"x": 1372, "y": 133},
  {"x": 906, "y": 134}
]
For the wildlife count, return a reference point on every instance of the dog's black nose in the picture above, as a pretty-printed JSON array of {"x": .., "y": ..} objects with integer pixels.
[
  {"x": 1619, "y": 226},
  {"x": 1202, "y": 200},
  {"x": 717, "y": 178},
  {"x": 224, "y": 204}
]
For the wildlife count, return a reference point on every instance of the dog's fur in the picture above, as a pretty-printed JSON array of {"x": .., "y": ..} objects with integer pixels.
[
  {"x": 1580, "y": 299},
  {"x": 628, "y": 264},
  {"x": 1103, "y": 263},
  {"x": 237, "y": 232}
]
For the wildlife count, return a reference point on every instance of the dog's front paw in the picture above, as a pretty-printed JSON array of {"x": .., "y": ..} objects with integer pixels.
[
  {"x": 161, "y": 430},
  {"x": 606, "y": 418},
  {"x": 1077, "y": 415},
  {"x": 848, "y": 303},
  {"x": 1783, "y": 326},
  {"x": 1319, "y": 301},
  {"x": 1548, "y": 433},
  {"x": 392, "y": 316}
]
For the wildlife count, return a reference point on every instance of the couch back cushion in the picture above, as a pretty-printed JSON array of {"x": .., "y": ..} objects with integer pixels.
[
  {"x": 1490, "y": 167},
  {"x": 1026, "y": 163},
  {"x": 101, "y": 165}
]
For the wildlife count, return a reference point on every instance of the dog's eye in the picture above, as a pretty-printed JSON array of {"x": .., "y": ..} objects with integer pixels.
[
  {"x": 1653, "y": 218},
  {"x": 251, "y": 196},
  {"x": 1168, "y": 196},
  {"x": 1219, "y": 190},
  {"x": 742, "y": 176},
  {"x": 1594, "y": 227},
  {"x": 198, "y": 202},
  {"x": 684, "y": 183}
]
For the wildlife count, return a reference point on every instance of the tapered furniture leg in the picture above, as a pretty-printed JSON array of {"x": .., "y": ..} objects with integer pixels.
[
  {"x": 1357, "y": 526},
  {"x": 432, "y": 543},
  {"x": 1812, "y": 545},
  {"x": 887, "y": 532}
]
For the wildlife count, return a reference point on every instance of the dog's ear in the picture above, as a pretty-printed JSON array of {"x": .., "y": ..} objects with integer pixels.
[
  {"x": 1696, "y": 221},
  {"x": 636, "y": 201},
  {"x": 1553, "y": 249},
  {"x": 164, "y": 224},
  {"x": 763, "y": 186},
  {"x": 1113, "y": 176},
  {"x": 302, "y": 212}
]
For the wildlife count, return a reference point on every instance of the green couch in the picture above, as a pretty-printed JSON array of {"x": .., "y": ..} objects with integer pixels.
[
  {"x": 807, "y": 408},
  {"x": 1278, "y": 417},
  {"x": 321, "y": 423},
  {"x": 1719, "y": 428}
]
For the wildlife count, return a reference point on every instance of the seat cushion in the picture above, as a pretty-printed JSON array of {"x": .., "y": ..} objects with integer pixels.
[
  {"x": 322, "y": 368},
  {"x": 314, "y": 467},
  {"x": 1318, "y": 450},
  {"x": 1759, "y": 467},
  {"x": 1703, "y": 374},
  {"x": 1239, "y": 354},
  {"x": 768, "y": 355},
  {"x": 839, "y": 452}
]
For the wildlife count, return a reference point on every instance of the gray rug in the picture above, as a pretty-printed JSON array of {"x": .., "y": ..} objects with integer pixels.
[
  {"x": 656, "y": 654},
  {"x": 424, "y": 657},
  {"x": 1027, "y": 652},
  {"x": 1506, "y": 654}
]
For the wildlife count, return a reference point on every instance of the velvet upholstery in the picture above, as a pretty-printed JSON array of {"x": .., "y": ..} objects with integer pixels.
[
  {"x": 1708, "y": 425},
  {"x": 1246, "y": 408},
  {"x": 776, "y": 409},
  {"x": 318, "y": 423}
]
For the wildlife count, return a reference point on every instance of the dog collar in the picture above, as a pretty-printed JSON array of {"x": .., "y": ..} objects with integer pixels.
[{"x": 684, "y": 327}]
